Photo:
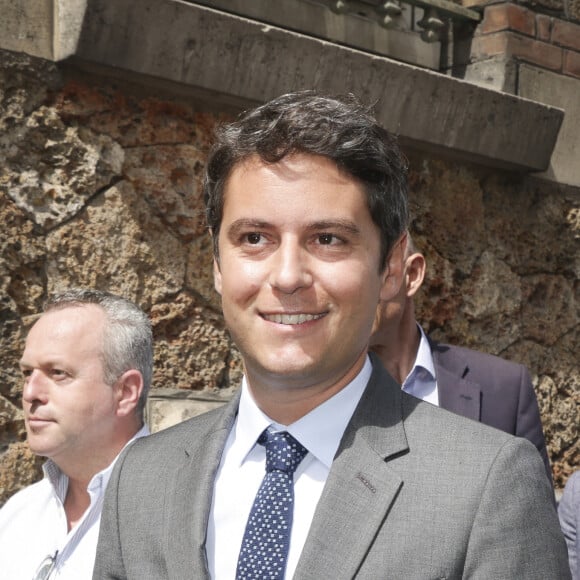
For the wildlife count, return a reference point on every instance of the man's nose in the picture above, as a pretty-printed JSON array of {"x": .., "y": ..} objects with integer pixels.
[
  {"x": 291, "y": 267},
  {"x": 34, "y": 387}
]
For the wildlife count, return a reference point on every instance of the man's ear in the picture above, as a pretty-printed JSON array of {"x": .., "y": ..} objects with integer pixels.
[
  {"x": 128, "y": 387},
  {"x": 392, "y": 277},
  {"x": 217, "y": 276},
  {"x": 415, "y": 267}
]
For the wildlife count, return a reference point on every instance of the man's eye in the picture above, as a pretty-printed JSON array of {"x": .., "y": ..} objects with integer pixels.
[
  {"x": 326, "y": 239},
  {"x": 254, "y": 238},
  {"x": 58, "y": 373}
]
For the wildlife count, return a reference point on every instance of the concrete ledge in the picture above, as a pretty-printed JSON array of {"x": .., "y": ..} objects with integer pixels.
[
  {"x": 559, "y": 91},
  {"x": 359, "y": 31},
  {"x": 217, "y": 53},
  {"x": 47, "y": 29}
]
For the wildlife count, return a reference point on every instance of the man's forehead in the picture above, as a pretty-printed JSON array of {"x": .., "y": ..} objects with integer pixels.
[
  {"x": 68, "y": 320},
  {"x": 292, "y": 165},
  {"x": 315, "y": 171}
]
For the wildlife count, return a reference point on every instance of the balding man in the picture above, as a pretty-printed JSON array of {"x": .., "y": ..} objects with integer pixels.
[{"x": 87, "y": 367}]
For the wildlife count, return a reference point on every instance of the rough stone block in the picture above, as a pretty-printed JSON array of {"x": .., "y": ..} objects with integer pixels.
[
  {"x": 18, "y": 467},
  {"x": 574, "y": 9}
]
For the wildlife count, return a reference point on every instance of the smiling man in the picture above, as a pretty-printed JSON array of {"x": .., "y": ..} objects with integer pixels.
[
  {"x": 291, "y": 277},
  {"x": 321, "y": 467},
  {"x": 87, "y": 365}
]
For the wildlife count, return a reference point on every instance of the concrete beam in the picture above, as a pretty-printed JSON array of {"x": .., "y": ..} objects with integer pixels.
[
  {"x": 46, "y": 29},
  {"x": 360, "y": 32},
  {"x": 559, "y": 91},
  {"x": 238, "y": 58}
]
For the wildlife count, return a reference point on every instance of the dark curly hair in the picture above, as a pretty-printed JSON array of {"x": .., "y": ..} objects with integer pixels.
[{"x": 339, "y": 128}]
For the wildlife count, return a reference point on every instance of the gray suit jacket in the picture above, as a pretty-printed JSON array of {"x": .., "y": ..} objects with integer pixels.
[
  {"x": 569, "y": 512},
  {"x": 414, "y": 492},
  {"x": 490, "y": 390}
]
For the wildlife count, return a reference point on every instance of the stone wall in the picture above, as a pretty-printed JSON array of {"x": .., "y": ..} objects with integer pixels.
[{"x": 100, "y": 186}]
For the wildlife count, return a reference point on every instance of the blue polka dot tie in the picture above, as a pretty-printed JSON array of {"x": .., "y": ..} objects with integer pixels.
[{"x": 267, "y": 537}]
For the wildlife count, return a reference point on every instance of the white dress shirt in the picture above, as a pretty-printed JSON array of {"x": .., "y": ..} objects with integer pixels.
[
  {"x": 243, "y": 465},
  {"x": 33, "y": 525},
  {"x": 421, "y": 382}
]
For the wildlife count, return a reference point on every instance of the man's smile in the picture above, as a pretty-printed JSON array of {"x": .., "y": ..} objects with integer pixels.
[{"x": 292, "y": 318}]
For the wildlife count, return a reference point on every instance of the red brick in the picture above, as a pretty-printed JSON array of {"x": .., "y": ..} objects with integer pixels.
[
  {"x": 519, "y": 47},
  {"x": 566, "y": 34},
  {"x": 571, "y": 66},
  {"x": 543, "y": 27},
  {"x": 508, "y": 17}
]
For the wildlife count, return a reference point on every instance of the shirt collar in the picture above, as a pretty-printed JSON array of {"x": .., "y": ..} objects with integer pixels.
[
  {"x": 424, "y": 358},
  {"x": 320, "y": 431}
]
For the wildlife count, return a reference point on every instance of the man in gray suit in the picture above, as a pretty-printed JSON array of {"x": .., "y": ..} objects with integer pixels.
[
  {"x": 306, "y": 202},
  {"x": 474, "y": 384}
]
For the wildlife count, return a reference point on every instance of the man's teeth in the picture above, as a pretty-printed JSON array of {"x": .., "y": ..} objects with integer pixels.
[{"x": 292, "y": 318}]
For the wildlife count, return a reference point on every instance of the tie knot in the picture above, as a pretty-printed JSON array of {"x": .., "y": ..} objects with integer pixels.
[{"x": 283, "y": 452}]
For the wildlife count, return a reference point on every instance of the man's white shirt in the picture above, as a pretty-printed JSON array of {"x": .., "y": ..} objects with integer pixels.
[
  {"x": 33, "y": 526},
  {"x": 242, "y": 469},
  {"x": 421, "y": 382}
]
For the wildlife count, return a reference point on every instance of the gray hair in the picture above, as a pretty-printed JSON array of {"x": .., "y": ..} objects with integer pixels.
[{"x": 127, "y": 338}]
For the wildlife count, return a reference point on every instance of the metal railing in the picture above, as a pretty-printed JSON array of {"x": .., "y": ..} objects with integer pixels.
[
  {"x": 419, "y": 32},
  {"x": 436, "y": 13}
]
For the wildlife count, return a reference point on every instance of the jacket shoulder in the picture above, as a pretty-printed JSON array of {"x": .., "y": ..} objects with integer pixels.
[
  {"x": 486, "y": 369},
  {"x": 187, "y": 434}
]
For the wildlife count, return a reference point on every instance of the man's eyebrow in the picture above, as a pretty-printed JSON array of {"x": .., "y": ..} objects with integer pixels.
[
  {"x": 345, "y": 226},
  {"x": 244, "y": 224}
]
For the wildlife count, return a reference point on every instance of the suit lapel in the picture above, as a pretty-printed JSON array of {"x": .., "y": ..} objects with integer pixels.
[
  {"x": 456, "y": 392},
  {"x": 361, "y": 485},
  {"x": 191, "y": 497}
]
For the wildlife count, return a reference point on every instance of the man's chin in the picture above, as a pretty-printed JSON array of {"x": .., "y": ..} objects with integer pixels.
[
  {"x": 40, "y": 446},
  {"x": 289, "y": 372}
]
